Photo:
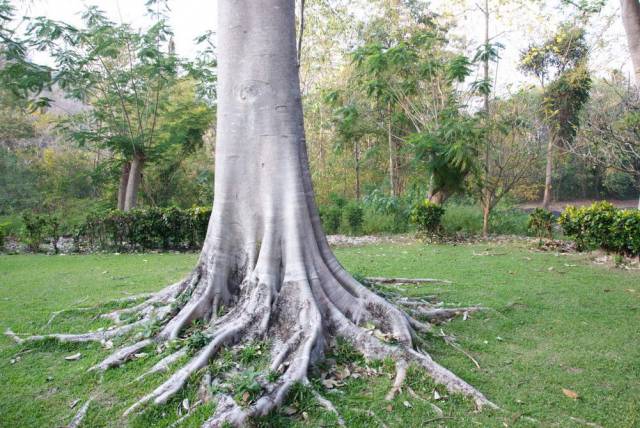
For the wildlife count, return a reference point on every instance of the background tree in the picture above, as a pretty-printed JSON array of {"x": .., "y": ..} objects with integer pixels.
[
  {"x": 560, "y": 64},
  {"x": 127, "y": 78}
]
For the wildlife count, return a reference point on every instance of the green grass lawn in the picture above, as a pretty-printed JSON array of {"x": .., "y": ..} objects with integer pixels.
[{"x": 554, "y": 322}]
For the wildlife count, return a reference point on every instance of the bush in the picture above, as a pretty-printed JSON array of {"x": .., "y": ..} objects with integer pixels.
[
  {"x": 34, "y": 230},
  {"x": 354, "y": 215},
  {"x": 541, "y": 223},
  {"x": 331, "y": 217},
  {"x": 427, "y": 217},
  {"x": 4, "y": 232},
  {"x": 147, "y": 229},
  {"x": 603, "y": 226}
]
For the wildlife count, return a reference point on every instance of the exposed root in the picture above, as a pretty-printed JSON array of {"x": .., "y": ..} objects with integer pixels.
[
  {"x": 417, "y": 281},
  {"x": 401, "y": 374},
  {"x": 163, "y": 364},
  {"x": 121, "y": 356},
  {"x": 79, "y": 417},
  {"x": 299, "y": 318},
  {"x": 328, "y": 405}
]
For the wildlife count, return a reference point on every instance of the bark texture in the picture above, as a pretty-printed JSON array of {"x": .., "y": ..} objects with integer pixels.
[
  {"x": 266, "y": 271},
  {"x": 133, "y": 183},
  {"x": 122, "y": 189},
  {"x": 630, "y": 10}
]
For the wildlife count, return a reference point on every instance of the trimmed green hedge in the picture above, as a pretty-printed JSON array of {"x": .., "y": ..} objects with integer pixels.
[
  {"x": 147, "y": 229},
  {"x": 603, "y": 226}
]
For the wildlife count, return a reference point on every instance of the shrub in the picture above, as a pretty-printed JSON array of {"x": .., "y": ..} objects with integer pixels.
[
  {"x": 603, "y": 226},
  {"x": 147, "y": 229},
  {"x": 34, "y": 230},
  {"x": 508, "y": 221},
  {"x": 4, "y": 232},
  {"x": 540, "y": 223},
  {"x": 331, "y": 217},
  {"x": 427, "y": 217},
  {"x": 354, "y": 215}
]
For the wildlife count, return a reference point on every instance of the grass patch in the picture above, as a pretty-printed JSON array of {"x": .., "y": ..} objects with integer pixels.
[{"x": 555, "y": 321}]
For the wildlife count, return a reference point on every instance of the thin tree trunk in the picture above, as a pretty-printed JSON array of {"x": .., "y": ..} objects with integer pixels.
[
  {"x": 546, "y": 200},
  {"x": 356, "y": 156},
  {"x": 486, "y": 213},
  {"x": 392, "y": 155},
  {"x": 133, "y": 184},
  {"x": 122, "y": 189}
]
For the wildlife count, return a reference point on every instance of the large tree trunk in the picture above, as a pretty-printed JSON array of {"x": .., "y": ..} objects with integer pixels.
[
  {"x": 122, "y": 189},
  {"x": 266, "y": 271},
  {"x": 546, "y": 200},
  {"x": 133, "y": 183},
  {"x": 631, "y": 21}
]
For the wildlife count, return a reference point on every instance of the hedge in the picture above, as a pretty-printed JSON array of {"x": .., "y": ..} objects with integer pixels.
[
  {"x": 146, "y": 229},
  {"x": 603, "y": 226}
]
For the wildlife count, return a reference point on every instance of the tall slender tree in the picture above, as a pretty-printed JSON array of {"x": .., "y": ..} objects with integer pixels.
[{"x": 266, "y": 271}]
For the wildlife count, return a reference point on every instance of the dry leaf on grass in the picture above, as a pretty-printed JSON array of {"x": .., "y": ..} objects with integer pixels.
[
  {"x": 74, "y": 357},
  {"x": 571, "y": 394}
]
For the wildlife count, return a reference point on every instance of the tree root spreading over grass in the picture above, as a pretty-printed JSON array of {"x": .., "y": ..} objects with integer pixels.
[{"x": 299, "y": 318}]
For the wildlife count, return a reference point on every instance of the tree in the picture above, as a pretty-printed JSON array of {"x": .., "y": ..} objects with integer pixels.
[
  {"x": 562, "y": 59},
  {"x": 511, "y": 139},
  {"x": 266, "y": 271},
  {"x": 129, "y": 79},
  {"x": 610, "y": 136},
  {"x": 631, "y": 20}
]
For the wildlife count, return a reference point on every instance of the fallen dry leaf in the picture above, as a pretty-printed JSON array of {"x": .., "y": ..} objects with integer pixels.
[
  {"x": 74, "y": 357},
  {"x": 245, "y": 396},
  {"x": 571, "y": 394}
]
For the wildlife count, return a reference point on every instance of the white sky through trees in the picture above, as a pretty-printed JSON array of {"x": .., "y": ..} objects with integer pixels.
[{"x": 515, "y": 24}]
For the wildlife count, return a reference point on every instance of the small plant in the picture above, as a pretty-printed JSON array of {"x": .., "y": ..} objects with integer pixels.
[
  {"x": 354, "y": 214},
  {"x": 427, "y": 217},
  {"x": 345, "y": 353},
  {"x": 196, "y": 341},
  {"x": 541, "y": 224},
  {"x": 246, "y": 387},
  {"x": 251, "y": 352}
]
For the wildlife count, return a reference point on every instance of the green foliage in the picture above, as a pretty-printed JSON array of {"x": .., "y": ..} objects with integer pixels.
[
  {"x": 541, "y": 223},
  {"x": 331, "y": 216},
  {"x": 603, "y": 226},
  {"x": 246, "y": 387},
  {"x": 197, "y": 341},
  {"x": 4, "y": 232},
  {"x": 354, "y": 215},
  {"x": 35, "y": 230},
  {"x": 427, "y": 216},
  {"x": 150, "y": 228}
]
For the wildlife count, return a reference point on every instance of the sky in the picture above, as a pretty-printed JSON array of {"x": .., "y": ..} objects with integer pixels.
[
  {"x": 513, "y": 23},
  {"x": 188, "y": 18}
]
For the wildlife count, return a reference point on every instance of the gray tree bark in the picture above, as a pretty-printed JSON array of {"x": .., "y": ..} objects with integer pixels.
[
  {"x": 630, "y": 10},
  {"x": 133, "y": 183},
  {"x": 266, "y": 263},
  {"x": 548, "y": 173},
  {"x": 122, "y": 188}
]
